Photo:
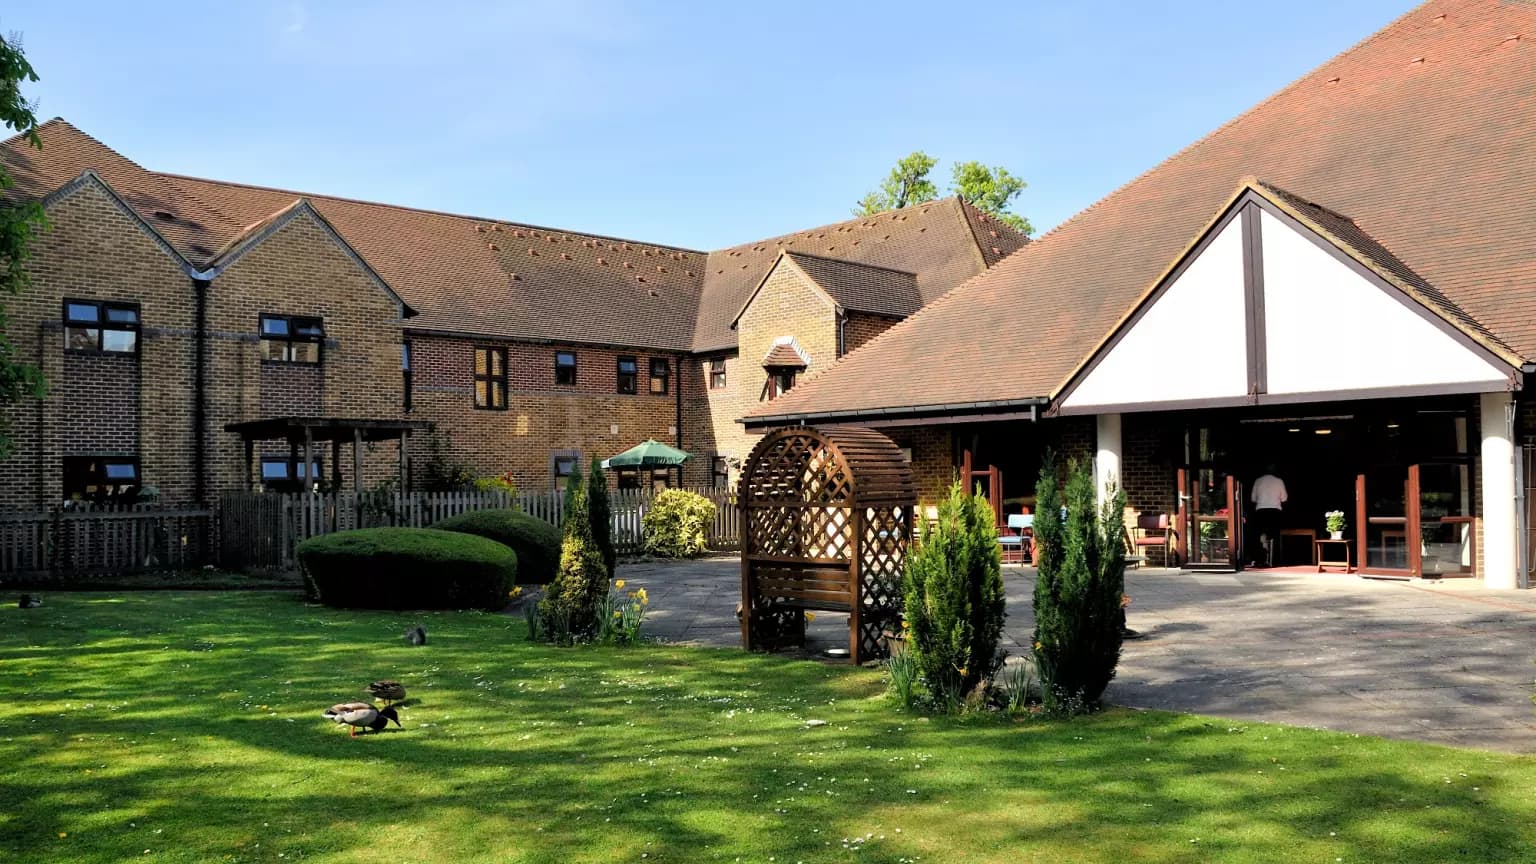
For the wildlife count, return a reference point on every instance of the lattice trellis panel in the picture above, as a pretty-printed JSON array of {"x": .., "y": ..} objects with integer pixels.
[{"x": 816, "y": 504}]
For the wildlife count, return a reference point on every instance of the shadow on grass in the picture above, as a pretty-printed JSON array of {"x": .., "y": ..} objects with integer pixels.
[{"x": 199, "y": 716}]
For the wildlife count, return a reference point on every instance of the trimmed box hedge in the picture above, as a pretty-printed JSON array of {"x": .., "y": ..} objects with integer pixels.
[
  {"x": 409, "y": 568},
  {"x": 536, "y": 542}
]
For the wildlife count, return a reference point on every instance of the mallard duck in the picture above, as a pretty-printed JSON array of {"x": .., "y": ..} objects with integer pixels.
[
  {"x": 389, "y": 691},
  {"x": 28, "y": 601},
  {"x": 416, "y": 635},
  {"x": 361, "y": 714}
]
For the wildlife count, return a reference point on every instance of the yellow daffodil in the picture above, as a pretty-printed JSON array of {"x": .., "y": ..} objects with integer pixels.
[
  {"x": 810, "y": 616},
  {"x": 1037, "y": 646},
  {"x": 962, "y": 671},
  {"x": 619, "y": 584},
  {"x": 617, "y": 613}
]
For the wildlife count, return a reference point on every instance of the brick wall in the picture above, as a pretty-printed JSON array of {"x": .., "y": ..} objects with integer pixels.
[
  {"x": 933, "y": 459},
  {"x": 94, "y": 251},
  {"x": 590, "y": 417},
  {"x": 300, "y": 270},
  {"x": 860, "y": 328},
  {"x": 786, "y": 305}
]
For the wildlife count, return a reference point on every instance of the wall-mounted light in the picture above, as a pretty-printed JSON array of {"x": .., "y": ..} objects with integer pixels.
[{"x": 1322, "y": 431}]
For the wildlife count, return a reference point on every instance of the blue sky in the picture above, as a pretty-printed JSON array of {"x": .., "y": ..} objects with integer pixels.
[{"x": 699, "y": 124}]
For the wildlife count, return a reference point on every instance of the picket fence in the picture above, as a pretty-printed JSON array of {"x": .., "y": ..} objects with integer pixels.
[
  {"x": 262, "y": 530},
  {"x": 85, "y": 540}
]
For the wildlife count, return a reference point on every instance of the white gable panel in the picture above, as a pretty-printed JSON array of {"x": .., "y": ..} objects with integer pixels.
[
  {"x": 1202, "y": 311},
  {"x": 1328, "y": 328}
]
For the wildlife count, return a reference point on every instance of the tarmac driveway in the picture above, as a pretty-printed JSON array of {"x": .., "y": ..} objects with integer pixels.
[{"x": 1448, "y": 662}]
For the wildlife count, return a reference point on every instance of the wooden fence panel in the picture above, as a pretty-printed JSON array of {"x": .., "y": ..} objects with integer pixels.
[{"x": 84, "y": 540}]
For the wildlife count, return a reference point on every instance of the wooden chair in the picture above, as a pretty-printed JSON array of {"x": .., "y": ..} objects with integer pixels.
[{"x": 1153, "y": 531}]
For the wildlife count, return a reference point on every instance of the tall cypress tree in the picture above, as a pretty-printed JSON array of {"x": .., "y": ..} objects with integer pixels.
[
  {"x": 953, "y": 587},
  {"x": 571, "y": 602},
  {"x": 601, "y": 514},
  {"x": 1081, "y": 582}
]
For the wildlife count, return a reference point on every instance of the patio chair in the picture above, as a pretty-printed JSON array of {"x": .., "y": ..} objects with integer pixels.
[
  {"x": 1153, "y": 531},
  {"x": 1018, "y": 538}
]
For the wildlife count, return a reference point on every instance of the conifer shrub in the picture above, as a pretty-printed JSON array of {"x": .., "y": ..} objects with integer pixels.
[
  {"x": 536, "y": 542},
  {"x": 601, "y": 514},
  {"x": 570, "y": 606},
  {"x": 677, "y": 524},
  {"x": 1080, "y": 586},
  {"x": 955, "y": 606},
  {"x": 408, "y": 568}
]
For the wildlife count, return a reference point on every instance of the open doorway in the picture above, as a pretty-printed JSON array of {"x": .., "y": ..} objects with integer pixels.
[{"x": 1398, "y": 473}]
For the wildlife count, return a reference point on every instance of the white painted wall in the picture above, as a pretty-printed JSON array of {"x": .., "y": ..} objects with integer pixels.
[
  {"x": 1203, "y": 311},
  {"x": 1500, "y": 490},
  {"x": 1328, "y": 328}
]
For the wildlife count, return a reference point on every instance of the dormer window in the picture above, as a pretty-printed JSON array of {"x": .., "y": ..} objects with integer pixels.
[{"x": 291, "y": 339}]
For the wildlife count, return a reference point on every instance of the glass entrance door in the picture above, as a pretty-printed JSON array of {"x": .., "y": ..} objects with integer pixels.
[
  {"x": 1446, "y": 536},
  {"x": 1382, "y": 521},
  {"x": 1211, "y": 507}
]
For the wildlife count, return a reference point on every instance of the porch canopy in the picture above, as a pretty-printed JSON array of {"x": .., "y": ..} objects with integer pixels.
[{"x": 306, "y": 431}]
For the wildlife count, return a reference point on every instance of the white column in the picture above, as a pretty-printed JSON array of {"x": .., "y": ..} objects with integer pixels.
[
  {"x": 1500, "y": 490},
  {"x": 1106, "y": 461}
]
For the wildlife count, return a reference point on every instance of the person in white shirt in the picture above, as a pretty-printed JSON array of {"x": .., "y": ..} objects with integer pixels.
[{"x": 1268, "y": 497}]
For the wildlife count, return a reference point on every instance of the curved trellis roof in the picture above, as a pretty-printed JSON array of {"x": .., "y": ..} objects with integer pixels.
[{"x": 845, "y": 466}]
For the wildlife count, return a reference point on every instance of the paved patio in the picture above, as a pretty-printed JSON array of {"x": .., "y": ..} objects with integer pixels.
[{"x": 1448, "y": 662}]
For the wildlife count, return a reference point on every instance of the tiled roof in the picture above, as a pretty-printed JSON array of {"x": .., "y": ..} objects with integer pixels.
[
  {"x": 1421, "y": 136},
  {"x": 491, "y": 277},
  {"x": 934, "y": 241},
  {"x": 862, "y": 287},
  {"x": 784, "y": 355}
]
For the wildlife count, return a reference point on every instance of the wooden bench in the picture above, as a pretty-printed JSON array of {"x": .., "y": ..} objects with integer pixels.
[{"x": 776, "y": 585}]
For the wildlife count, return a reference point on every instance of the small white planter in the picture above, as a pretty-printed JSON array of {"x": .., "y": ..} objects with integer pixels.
[{"x": 1335, "y": 535}]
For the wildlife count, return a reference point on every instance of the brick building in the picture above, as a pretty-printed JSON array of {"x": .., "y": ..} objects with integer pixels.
[
  {"x": 166, "y": 308},
  {"x": 1333, "y": 288}
]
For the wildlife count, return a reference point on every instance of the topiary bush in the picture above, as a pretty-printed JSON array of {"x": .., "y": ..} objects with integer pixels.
[
  {"x": 600, "y": 512},
  {"x": 1080, "y": 587},
  {"x": 677, "y": 523},
  {"x": 408, "y": 568},
  {"x": 536, "y": 542},
  {"x": 568, "y": 612},
  {"x": 954, "y": 601}
]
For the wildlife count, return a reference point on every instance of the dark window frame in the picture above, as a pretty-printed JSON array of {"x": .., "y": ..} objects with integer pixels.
[
  {"x": 290, "y": 338},
  {"x": 556, "y": 457},
  {"x": 720, "y": 472},
  {"x": 106, "y": 487},
  {"x": 494, "y": 383},
  {"x": 664, "y": 376},
  {"x": 716, "y": 371},
  {"x": 780, "y": 381},
  {"x": 627, "y": 383},
  {"x": 290, "y": 481},
  {"x": 406, "y": 379},
  {"x": 562, "y": 368},
  {"x": 102, "y": 323}
]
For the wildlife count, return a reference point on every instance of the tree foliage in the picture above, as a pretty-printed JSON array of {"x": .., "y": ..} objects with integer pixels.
[
  {"x": 19, "y": 220},
  {"x": 907, "y": 184},
  {"x": 677, "y": 524},
  {"x": 954, "y": 599},
  {"x": 600, "y": 511},
  {"x": 991, "y": 189},
  {"x": 1080, "y": 555}
]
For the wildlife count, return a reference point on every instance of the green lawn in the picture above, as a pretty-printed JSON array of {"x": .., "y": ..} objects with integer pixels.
[{"x": 186, "y": 727}]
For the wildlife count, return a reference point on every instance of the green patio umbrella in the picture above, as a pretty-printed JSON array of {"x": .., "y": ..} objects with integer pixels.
[{"x": 648, "y": 454}]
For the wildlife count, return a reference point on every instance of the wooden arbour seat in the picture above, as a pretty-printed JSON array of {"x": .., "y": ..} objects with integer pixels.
[{"x": 826, "y": 518}]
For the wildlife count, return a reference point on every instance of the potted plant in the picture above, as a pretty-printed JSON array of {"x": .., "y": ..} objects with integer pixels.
[{"x": 1334, "y": 519}]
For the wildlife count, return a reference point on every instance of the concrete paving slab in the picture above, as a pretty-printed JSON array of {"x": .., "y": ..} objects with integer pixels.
[{"x": 1442, "y": 661}]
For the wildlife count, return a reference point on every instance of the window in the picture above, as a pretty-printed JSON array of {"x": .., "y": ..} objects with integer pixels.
[
  {"x": 101, "y": 328},
  {"x": 779, "y": 382},
  {"x": 655, "y": 479},
  {"x": 717, "y": 374},
  {"x": 405, "y": 374},
  {"x": 629, "y": 374},
  {"x": 661, "y": 374},
  {"x": 286, "y": 474},
  {"x": 562, "y": 464},
  {"x": 491, "y": 378},
  {"x": 101, "y": 478},
  {"x": 565, "y": 368},
  {"x": 720, "y": 472},
  {"x": 291, "y": 339}
]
